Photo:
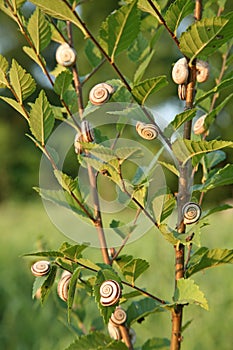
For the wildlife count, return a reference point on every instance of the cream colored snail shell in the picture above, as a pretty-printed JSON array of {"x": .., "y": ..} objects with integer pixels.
[
  {"x": 63, "y": 285},
  {"x": 146, "y": 131},
  {"x": 114, "y": 331},
  {"x": 191, "y": 213},
  {"x": 41, "y": 268},
  {"x": 199, "y": 126},
  {"x": 101, "y": 93},
  {"x": 110, "y": 292},
  {"x": 77, "y": 146},
  {"x": 182, "y": 89},
  {"x": 86, "y": 131},
  {"x": 203, "y": 71},
  {"x": 65, "y": 55},
  {"x": 180, "y": 71},
  {"x": 119, "y": 316}
]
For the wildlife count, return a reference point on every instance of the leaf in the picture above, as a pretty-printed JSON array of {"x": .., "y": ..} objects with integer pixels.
[
  {"x": 188, "y": 292},
  {"x": 41, "y": 118},
  {"x": 120, "y": 29},
  {"x": 46, "y": 253},
  {"x": 3, "y": 70},
  {"x": 65, "y": 181},
  {"x": 156, "y": 343},
  {"x": 74, "y": 252},
  {"x": 48, "y": 283},
  {"x": 142, "y": 308},
  {"x": 62, "y": 83},
  {"x": 121, "y": 229},
  {"x": 93, "y": 54},
  {"x": 139, "y": 49},
  {"x": 142, "y": 67},
  {"x": 71, "y": 291},
  {"x": 214, "y": 158},
  {"x": 205, "y": 258},
  {"x": 176, "y": 12},
  {"x": 144, "y": 6},
  {"x": 15, "y": 105},
  {"x": 37, "y": 284},
  {"x": 36, "y": 58},
  {"x": 179, "y": 120},
  {"x": 218, "y": 88},
  {"x": 215, "y": 210},
  {"x": 21, "y": 81},
  {"x": 224, "y": 176},
  {"x": 170, "y": 167},
  {"x": 39, "y": 30},
  {"x": 124, "y": 153},
  {"x": 141, "y": 91},
  {"x": 133, "y": 269},
  {"x": 206, "y": 36}
]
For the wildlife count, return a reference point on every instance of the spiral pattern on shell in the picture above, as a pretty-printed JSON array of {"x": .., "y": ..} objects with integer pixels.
[
  {"x": 86, "y": 131},
  {"x": 180, "y": 71},
  {"x": 110, "y": 292},
  {"x": 114, "y": 331},
  {"x": 199, "y": 126},
  {"x": 41, "y": 268},
  {"x": 202, "y": 69},
  {"x": 65, "y": 55},
  {"x": 119, "y": 316},
  {"x": 63, "y": 285},
  {"x": 146, "y": 131},
  {"x": 182, "y": 89},
  {"x": 100, "y": 93},
  {"x": 191, "y": 213}
]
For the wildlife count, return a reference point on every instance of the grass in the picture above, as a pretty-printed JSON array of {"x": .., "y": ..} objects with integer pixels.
[{"x": 26, "y": 325}]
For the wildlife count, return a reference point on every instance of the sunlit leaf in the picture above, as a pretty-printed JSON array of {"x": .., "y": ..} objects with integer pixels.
[
  {"x": 133, "y": 269},
  {"x": 218, "y": 88},
  {"x": 93, "y": 54},
  {"x": 179, "y": 120},
  {"x": 187, "y": 292},
  {"x": 39, "y": 30},
  {"x": 170, "y": 167},
  {"x": 141, "y": 91},
  {"x": 142, "y": 308},
  {"x": 216, "y": 210},
  {"x": 48, "y": 283},
  {"x": 62, "y": 83},
  {"x": 36, "y": 58},
  {"x": 18, "y": 107},
  {"x": 143, "y": 66},
  {"x": 224, "y": 176},
  {"x": 177, "y": 11},
  {"x": 71, "y": 291},
  {"x": 156, "y": 343},
  {"x": 3, "y": 70},
  {"x": 144, "y": 6}
]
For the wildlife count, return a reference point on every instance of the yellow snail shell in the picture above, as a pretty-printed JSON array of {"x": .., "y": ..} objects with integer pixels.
[
  {"x": 180, "y": 71},
  {"x": 63, "y": 285},
  {"x": 100, "y": 93},
  {"x": 77, "y": 146},
  {"x": 65, "y": 55},
  {"x": 110, "y": 292},
  {"x": 199, "y": 126},
  {"x": 182, "y": 88},
  {"x": 40, "y": 268},
  {"x": 146, "y": 131},
  {"x": 202, "y": 68},
  {"x": 119, "y": 316},
  {"x": 191, "y": 213},
  {"x": 114, "y": 331},
  {"x": 87, "y": 132}
]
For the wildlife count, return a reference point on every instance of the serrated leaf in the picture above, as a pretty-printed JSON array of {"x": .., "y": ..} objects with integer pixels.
[
  {"x": 224, "y": 176},
  {"x": 169, "y": 203},
  {"x": 37, "y": 284},
  {"x": 71, "y": 291},
  {"x": 47, "y": 253},
  {"x": 176, "y": 12},
  {"x": 93, "y": 54},
  {"x": 65, "y": 181},
  {"x": 94, "y": 341},
  {"x": 204, "y": 37},
  {"x": 142, "y": 308},
  {"x": 214, "y": 158},
  {"x": 74, "y": 251},
  {"x": 88, "y": 264},
  {"x": 31, "y": 53},
  {"x": 144, "y": 89},
  {"x": 41, "y": 118},
  {"x": 144, "y": 6},
  {"x": 215, "y": 210},
  {"x": 48, "y": 283},
  {"x": 178, "y": 121},
  {"x": 15, "y": 105},
  {"x": 121, "y": 229},
  {"x": 39, "y": 30},
  {"x": 189, "y": 292},
  {"x": 218, "y": 88},
  {"x": 21, "y": 81},
  {"x": 170, "y": 167},
  {"x": 62, "y": 83},
  {"x": 3, "y": 70},
  {"x": 139, "y": 49},
  {"x": 124, "y": 153},
  {"x": 156, "y": 343},
  {"x": 133, "y": 269}
]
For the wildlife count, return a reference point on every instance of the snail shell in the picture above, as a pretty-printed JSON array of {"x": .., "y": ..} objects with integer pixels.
[
  {"x": 41, "y": 268},
  {"x": 65, "y": 55},
  {"x": 63, "y": 285},
  {"x": 110, "y": 292},
  {"x": 146, "y": 131},
  {"x": 203, "y": 70},
  {"x": 114, "y": 331},
  {"x": 87, "y": 132},
  {"x": 199, "y": 126},
  {"x": 180, "y": 71},
  {"x": 119, "y": 316},
  {"x": 191, "y": 213},
  {"x": 77, "y": 146},
  {"x": 101, "y": 93},
  {"x": 182, "y": 89}
]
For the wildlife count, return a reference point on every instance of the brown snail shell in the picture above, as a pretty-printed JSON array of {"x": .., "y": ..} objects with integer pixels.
[
  {"x": 203, "y": 70},
  {"x": 110, "y": 292},
  {"x": 87, "y": 132},
  {"x": 63, "y": 285},
  {"x": 41, "y": 268},
  {"x": 114, "y": 331},
  {"x": 182, "y": 89},
  {"x": 191, "y": 213},
  {"x": 146, "y": 131},
  {"x": 101, "y": 93},
  {"x": 199, "y": 126},
  {"x": 180, "y": 71},
  {"x": 65, "y": 55},
  {"x": 119, "y": 316}
]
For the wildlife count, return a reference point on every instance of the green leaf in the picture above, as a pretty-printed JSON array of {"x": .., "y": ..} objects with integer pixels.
[
  {"x": 21, "y": 81},
  {"x": 62, "y": 83},
  {"x": 3, "y": 70},
  {"x": 224, "y": 176},
  {"x": 65, "y": 181},
  {"x": 41, "y": 118},
  {"x": 39, "y": 30},
  {"x": 187, "y": 292},
  {"x": 177, "y": 11},
  {"x": 93, "y": 54},
  {"x": 142, "y": 308},
  {"x": 218, "y": 88},
  {"x": 139, "y": 49},
  {"x": 179, "y": 120},
  {"x": 47, "y": 253},
  {"x": 71, "y": 291},
  {"x": 73, "y": 252},
  {"x": 205, "y": 258},
  {"x": 141, "y": 91},
  {"x": 214, "y": 158},
  {"x": 156, "y": 343},
  {"x": 121, "y": 229},
  {"x": 144, "y": 6},
  {"x": 37, "y": 284},
  {"x": 206, "y": 36},
  {"x": 142, "y": 67},
  {"x": 120, "y": 29},
  {"x": 15, "y": 105},
  {"x": 133, "y": 269},
  {"x": 96, "y": 341},
  {"x": 48, "y": 283},
  {"x": 170, "y": 167},
  {"x": 36, "y": 58},
  {"x": 124, "y": 153},
  {"x": 215, "y": 210}
]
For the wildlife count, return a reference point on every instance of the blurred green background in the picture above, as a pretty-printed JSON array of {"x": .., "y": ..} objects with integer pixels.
[{"x": 24, "y": 222}]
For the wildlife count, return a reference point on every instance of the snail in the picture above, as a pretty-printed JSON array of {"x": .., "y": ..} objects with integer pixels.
[
  {"x": 114, "y": 331},
  {"x": 191, "y": 213},
  {"x": 199, "y": 126},
  {"x": 65, "y": 55},
  {"x": 87, "y": 132},
  {"x": 146, "y": 131},
  {"x": 119, "y": 316},
  {"x": 110, "y": 292},
  {"x": 202, "y": 69},
  {"x": 41, "y": 268},
  {"x": 63, "y": 285},
  {"x": 77, "y": 146},
  {"x": 182, "y": 88},
  {"x": 180, "y": 71},
  {"x": 101, "y": 93}
]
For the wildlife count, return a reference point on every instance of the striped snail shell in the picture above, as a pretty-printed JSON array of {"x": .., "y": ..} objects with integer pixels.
[
  {"x": 191, "y": 213},
  {"x": 77, "y": 146},
  {"x": 203, "y": 70},
  {"x": 65, "y": 55},
  {"x": 119, "y": 316},
  {"x": 114, "y": 331},
  {"x": 87, "y": 132},
  {"x": 101, "y": 93},
  {"x": 180, "y": 71},
  {"x": 146, "y": 131},
  {"x": 199, "y": 126},
  {"x": 63, "y": 285},
  {"x": 110, "y": 292},
  {"x": 182, "y": 89},
  {"x": 41, "y": 268}
]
